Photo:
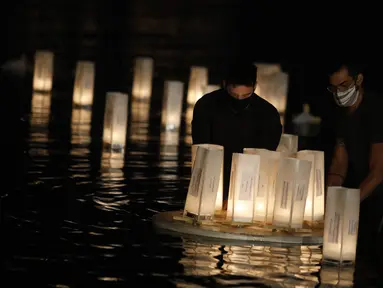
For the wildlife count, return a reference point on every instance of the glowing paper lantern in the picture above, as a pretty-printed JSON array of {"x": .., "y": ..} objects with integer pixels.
[
  {"x": 203, "y": 188},
  {"x": 143, "y": 77},
  {"x": 43, "y": 71},
  {"x": 219, "y": 199},
  {"x": 197, "y": 83},
  {"x": 81, "y": 121},
  {"x": 84, "y": 84},
  {"x": 288, "y": 144},
  {"x": 140, "y": 111},
  {"x": 314, "y": 210},
  {"x": 172, "y": 105},
  {"x": 341, "y": 225},
  {"x": 210, "y": 88},
  {"x": 243, "y": 187},
  {"x": 291, "y": 192},
  {"x": 265, "y": 196},
  {"x": 115, "y": 120},
  {"x": 337, "y": 276},
  {"x": 272, "y": 85}
]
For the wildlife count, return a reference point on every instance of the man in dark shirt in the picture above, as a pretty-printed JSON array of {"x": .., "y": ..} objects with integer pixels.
[
  {"x": 236, "y": 118},
  {"x": 358, "y": 157}
]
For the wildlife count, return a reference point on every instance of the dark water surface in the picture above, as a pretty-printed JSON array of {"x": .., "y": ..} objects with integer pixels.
[{"x": 83, "y": 220}]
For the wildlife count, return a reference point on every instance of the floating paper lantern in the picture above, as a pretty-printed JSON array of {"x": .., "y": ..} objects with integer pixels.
[
  {"x": 172, "y": 105},
  {"x": 243, "y": 187},
  {"x": 140, "y": 111},
  {"x": 210, "y": 88},
  {"x": 272, "y": 85},
  {"x": 291, "y": 192},
  {"x": 84, "y": 84},
  {"x": 288, "y": 144},
  {"x": 197, "y": 83},
  {"x": 265, "y": 196},
  {"x": 203, "y": 188},
  {"x": 81, "y": 121},
  {"x": 115, "y": 120},
  {"x": 314, "y": 210},
  {"x": 41, "y": 107},
  {"x": 143, "y": 77},
  {"x": 43, "y": 71},
  {"x": 169, "y": 145},
  {"x": 219, "y": 200},
  {"x": 341, "y": 225}
]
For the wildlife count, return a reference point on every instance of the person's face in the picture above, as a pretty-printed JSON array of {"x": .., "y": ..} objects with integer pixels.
[
  {"x": 240, "y": 91},
  {"x": 341, "y": 81}
]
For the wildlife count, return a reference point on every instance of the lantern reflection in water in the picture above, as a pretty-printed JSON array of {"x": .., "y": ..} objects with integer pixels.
[
  {"x": 142, "y": 80},
  {"x": 197, "y": 82},
  {"x": 341, "y": 225},
  {"x": 43, "y": 71},
  {"x": 84, "y": 84},
  {"x": 115, "y": 121},
  {"x": 243, "y": 187},
  {"x": 219, "y": 199},
  {"x": 204, "y": 183},
  {"x": 81, "y": 121},
  {"x": 314, "y": 210},
  {"x": 41, "y": 108},
  {"x": 169, "y": 143},
  {"x": 265, "y": 196},
  {"x": 291, "y": 192},
  {"x": 140, "y": 111}
]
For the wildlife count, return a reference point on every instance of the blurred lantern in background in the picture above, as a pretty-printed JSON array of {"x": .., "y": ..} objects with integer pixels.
[{"x": 43, "y": 71}]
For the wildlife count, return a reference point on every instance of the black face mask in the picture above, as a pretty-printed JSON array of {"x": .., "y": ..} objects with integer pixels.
[{"x": 238, "y": 105}]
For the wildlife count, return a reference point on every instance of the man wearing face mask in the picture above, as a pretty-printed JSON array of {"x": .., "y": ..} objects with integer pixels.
[
  {"x": 358, "y": 157},
  {"x": 236, "y": 118}
]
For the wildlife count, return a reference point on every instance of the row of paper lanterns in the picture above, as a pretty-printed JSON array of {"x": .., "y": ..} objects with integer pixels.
[{"x": 282, "y": 188}]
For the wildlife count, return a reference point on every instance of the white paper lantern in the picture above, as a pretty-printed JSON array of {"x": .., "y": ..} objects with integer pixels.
[
  {"x": 172, "y": 105},
  {"x": 210, "y": 88},
  {"x": 197, "y": 83},
  {"x": 219, "y": 200},
  {"x": 341, "y": 225},
  {"x": 272, "y": 85},
  {"x": 43, "y": 71},
  {"x": 337, "y": 276},
  {"x": 291, "y": 192},
  {"x": 243, "y": 187},
  {"x": 115, "y": 120},
  {"x": 288, "y": 144},
  {"x": 265, "y": 196},
  {"x": 84, "y": 84},
  {"x": 314, "y": 210},
  {"x": 143, "y": 77},
  {"x": 203, "y": 188}
]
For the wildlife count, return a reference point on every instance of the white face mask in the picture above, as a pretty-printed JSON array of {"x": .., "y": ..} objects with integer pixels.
[{"x": 346, "y": 98}]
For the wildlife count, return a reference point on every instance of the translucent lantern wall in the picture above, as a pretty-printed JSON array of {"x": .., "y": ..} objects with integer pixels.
[
  {"x": 143, "y": 76},
  {"x": 41, "y": 108},
  {"x": 203, "y": 188},
  {"x": 291, "y": 192},
  {"x": 115, "y": 120},
  {"x": 43, "y": 71},
  {"x": 243, "y": 187},
  {"x": 219, "y": 199},
  {"x": 272, "y": 85},
  {"x": 341, "y": 225},
  {"x": 197, "y": 82},
  {"x": 210, "y": 88},
  {"x": 265, "y": 197},
  {"x": 288, "y": 144},
  {"x": 84, "y": 84},
  {"x": 172, "y": 105},
  {"x": 314, "y": 210}
]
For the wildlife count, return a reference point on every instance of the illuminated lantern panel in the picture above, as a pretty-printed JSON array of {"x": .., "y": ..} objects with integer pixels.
[
  {"x": 243, "y": 187},
  {"x": 197, "y": 83},
  {"x": 337, "y": 276},
  {"x": 210, "y": 88},
  {"x": 115, "y": 120},
  {"x": 272, "y": 85},
  {"x": 291, "y": 192},
  {"x": 219, "y": 199},
  {"x": 288, "y": 144},
  {"x": 341, "y": 225},
  {"x": 41, "y": 108},
  {"x": 43, "y": 71},
  {"x": 143, "y": 77},
  {"x": 84, "y": 84},
  {"x": 172, "y": 105},
  {"x": 169, "y": 144},
  {"x": 265, "y": 196},
  {"x": 314, "y": 210},
  {"x": 203, "y": 188}
]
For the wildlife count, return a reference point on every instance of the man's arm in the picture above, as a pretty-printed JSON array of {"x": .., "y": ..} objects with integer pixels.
[
  {"x": 201, "y": 124},
  {"x": 375, "y": 175},
  {"x": 339, "y": 164}
]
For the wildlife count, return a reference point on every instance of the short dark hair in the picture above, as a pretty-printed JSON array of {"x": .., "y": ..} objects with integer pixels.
[
  {"x": 241, "y": 74},
  {"x": 353, "y": 68}
]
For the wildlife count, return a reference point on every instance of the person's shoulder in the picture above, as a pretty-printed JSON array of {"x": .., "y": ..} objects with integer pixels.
[
  {"x": 209, "y": 98},
  {"x": 265, "y": 105}
]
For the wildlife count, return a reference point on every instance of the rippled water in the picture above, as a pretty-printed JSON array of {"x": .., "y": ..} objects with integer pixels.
[{"x": 83, "y": 219}]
